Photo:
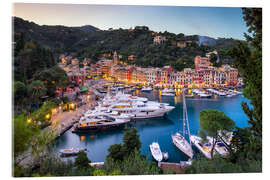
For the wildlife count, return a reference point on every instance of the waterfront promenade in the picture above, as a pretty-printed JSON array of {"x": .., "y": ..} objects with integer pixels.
[{"x": 61, "y": 122}]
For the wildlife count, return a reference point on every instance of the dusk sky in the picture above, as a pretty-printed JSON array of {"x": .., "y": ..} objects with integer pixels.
[{"x": 209, "y": 21}]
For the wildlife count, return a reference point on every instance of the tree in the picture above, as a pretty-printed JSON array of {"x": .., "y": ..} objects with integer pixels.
[
  {"x": 131, "y": 141},
  {"x": 82, "y": 161},
  {"x": 19, "y": 92},
  {"x": 37, "y": 89},
  {"x": 212, "y": 122},
  {"x": 248, "y": 59},
  {"x": 115, "y": 152},
  {"x": 52, "y": 78},
  {"x": 19, "y": 44},
  {"x": 22, "y": 133},
  {"x": 133, "y": 164}
]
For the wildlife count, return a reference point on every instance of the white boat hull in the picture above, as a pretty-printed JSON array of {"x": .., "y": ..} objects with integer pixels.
[
  {"x": 186, "y": 148},
  {"x": 156, "y": 152},
  {"x": 197, "y": 142}
]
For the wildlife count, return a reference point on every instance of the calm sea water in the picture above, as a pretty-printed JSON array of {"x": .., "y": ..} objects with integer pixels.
[{"x": 158, "y": 129}]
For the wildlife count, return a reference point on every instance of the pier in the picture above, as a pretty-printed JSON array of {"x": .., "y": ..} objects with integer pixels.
[{"x": 175, "y": 167}]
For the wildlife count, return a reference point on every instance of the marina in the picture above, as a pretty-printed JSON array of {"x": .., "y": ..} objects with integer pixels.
[{"x": 154, "y": 128}]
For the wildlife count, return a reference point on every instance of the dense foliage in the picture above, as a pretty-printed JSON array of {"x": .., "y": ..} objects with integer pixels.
[
  {"x": 126, "y": 159},
  {"x": 248, "y": 58},
  {"x": 138, "y": 41},
  {"x": 246, "y": 142},
  {"x": 212, "y": 122}
]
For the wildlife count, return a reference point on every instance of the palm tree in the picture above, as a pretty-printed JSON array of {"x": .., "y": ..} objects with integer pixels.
[{"x": 36, "y": 90}]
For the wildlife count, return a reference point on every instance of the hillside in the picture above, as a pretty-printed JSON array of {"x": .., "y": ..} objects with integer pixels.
[{"x": 89, "y": 41}]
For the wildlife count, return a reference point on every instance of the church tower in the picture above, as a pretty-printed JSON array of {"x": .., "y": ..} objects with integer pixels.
[{"x": 115, "y": 58}]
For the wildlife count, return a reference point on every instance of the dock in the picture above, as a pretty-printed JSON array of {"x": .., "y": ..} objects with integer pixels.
[{"x": 175, "y": 167}]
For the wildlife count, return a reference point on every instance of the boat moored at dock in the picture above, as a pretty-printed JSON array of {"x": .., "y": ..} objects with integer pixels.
[
  {"x": 71, "y": 151},
  {"x": 156, "y": 152},
  {"x": 101, "y": 122},
  {"x": 205, "y": 148}
]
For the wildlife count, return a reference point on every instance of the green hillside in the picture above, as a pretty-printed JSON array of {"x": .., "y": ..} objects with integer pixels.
[{"x": 88, "y": 41}]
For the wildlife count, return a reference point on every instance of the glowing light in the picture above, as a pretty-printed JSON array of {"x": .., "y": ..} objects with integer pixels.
[
  {"x": 47, "y": 116},
  {"x": 82, "y": 138},
  {"x": 54, "y": 110},
  {"x": 29, "y": 120}
]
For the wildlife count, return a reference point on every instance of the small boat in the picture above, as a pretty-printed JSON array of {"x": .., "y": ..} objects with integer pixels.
[
  {"x": 71, "y": 151},
  {"x": 229, "y": 95},
  {"x": 167, "y": 94},
  {"x": 203, "y": 95},
  {"x": 189, "y": 95},
  {"x": 166, "y": 90},
  {"x": 166, "y": 156},
  {"x": 205, "y": 149},
  {"x": 146, "y": 89},
  {"x": 156, "y": 152}
]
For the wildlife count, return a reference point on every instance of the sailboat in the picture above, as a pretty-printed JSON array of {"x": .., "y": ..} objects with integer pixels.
[{"x": 179, "y": 139}]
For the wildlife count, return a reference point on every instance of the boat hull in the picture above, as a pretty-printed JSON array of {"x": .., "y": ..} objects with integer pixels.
[
  {"x": 99, "y": 128},
  {"x": 156, "y": 155},
  {"x": 187, "y": 151}
]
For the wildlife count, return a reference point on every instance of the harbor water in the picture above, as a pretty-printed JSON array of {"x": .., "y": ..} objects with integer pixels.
[{"x": 157, "y": 129}]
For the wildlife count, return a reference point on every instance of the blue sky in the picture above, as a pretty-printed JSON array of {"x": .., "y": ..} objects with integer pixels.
[{"x": 210, "y": 21}]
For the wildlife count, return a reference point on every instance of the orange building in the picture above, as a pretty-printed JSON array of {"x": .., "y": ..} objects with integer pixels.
[{"x": 201, "y": 62}]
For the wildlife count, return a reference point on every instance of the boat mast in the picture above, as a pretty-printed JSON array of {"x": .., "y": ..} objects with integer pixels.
[
  {"x": 184, "y": 114},
  {"x": 187, "y": 123}
]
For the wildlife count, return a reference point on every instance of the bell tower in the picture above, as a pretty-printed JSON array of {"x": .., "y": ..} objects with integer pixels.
[{"x": 115, "y": 58}]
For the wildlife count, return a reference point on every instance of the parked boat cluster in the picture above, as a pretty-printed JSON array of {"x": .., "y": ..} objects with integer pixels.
[
  {"x": 116, "y": 108},
  {"x": 119, "y": 109}
]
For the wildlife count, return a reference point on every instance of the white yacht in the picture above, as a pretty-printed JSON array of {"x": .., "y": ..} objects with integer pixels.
[
  {"x": 167, "y": 94},
  {"x": 146, "y": 89},
  {"x": 219, "y": 147},
  {"x": 141, "y": 110},
  {"x": 179, "y": 140},
  {"x": 135, "y": 107},
  {"x": 166, "y": 90},
  {"x": 205, "y": 149},
  {"x": 203, "y": 95},
  {"x": 156, "y": 152}
]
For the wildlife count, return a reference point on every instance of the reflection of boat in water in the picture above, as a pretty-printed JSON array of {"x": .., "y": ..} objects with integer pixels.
[
  {"x": 156, "y": 152},
  {"x": 179, "y": 140},
  {"x": 71, "y": 151}
]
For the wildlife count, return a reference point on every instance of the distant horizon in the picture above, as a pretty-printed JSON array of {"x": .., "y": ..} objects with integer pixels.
[{"x": 214, "y": 22}]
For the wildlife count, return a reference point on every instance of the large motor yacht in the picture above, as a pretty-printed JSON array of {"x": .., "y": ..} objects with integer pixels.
[
  {"x": 134, "y": 106},
  {"x": 99, "y": 122}
]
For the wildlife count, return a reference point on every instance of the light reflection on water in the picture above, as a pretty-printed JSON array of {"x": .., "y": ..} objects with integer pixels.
[{"x": 157, "y": 129}]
